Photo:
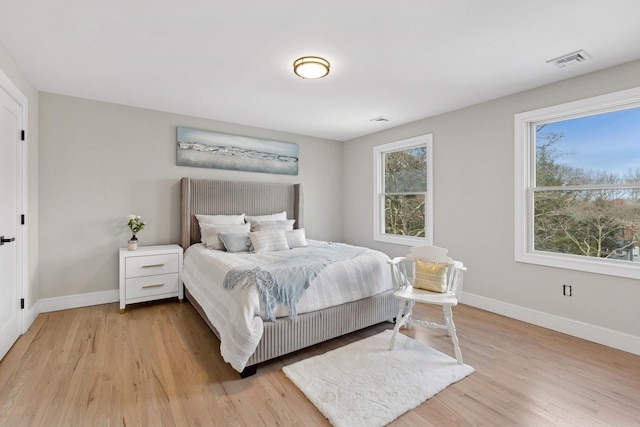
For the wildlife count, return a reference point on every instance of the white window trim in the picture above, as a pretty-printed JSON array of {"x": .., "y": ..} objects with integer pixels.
[
  {"x": 525, "y": 175},
  {"x": 378, "y": 189}
]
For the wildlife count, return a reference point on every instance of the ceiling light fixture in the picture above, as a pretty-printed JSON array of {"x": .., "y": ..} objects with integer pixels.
[{"x": 311, "y": 67}]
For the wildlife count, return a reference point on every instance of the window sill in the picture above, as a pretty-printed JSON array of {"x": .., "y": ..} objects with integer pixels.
[
  {"x": 401, "y": 240},
  {"x": 609, "y": 267}
]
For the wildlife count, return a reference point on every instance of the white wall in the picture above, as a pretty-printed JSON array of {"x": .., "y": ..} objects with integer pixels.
[
  {"x": 11, "y": 70},
  {"x": 474, "y": 209},
  {"x": 100, "y": 162},
  {"x": 90, "y": 164}
]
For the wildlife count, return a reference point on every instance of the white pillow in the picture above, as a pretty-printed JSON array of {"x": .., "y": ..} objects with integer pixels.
[
  {"x": 211, "y": 231},
  {"x": 268, "y": 241},
  {"x": 272, "y": 217},
  {"x": 220, "y": 219},
  {"x": 283, "y": 224},
  {"x": 217, "y": 219},
  {"x": 296, "y": 238}
]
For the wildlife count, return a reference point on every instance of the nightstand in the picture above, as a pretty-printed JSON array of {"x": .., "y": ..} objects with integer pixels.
[{"x": 150, "y": 273}]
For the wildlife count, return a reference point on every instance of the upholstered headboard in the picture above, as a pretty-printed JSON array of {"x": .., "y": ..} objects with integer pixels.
[{"x": 215, "y": 197}]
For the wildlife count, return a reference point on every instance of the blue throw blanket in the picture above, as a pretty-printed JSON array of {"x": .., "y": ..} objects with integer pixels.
[{"x": 284, "y": 281}]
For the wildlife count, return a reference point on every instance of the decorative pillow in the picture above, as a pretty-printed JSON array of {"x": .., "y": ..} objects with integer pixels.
[
  {"x": 235, "y": 242},
  {"x": 296, "y": 238},
  {"x": 217, "y": 220},
  {"x": 268, "y": 241},
  {"x": 271, "y": 217},
  {"x": 211, "y": 232},
  {"x": 283, "y": 224},
  {"x": 431, "y": 276},
  {"x": 220, "y": 219}
]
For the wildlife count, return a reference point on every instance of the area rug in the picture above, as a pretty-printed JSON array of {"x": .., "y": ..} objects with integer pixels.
[{"x": 365, "y": 384}]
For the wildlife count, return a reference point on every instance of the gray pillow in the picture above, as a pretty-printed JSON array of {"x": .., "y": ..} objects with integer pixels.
[
  {"x": 235, "y": 242},
  {"x": 212, "y": 232}
]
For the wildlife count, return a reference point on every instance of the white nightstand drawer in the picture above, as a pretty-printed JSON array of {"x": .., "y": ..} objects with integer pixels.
[
  {"x": 148, "y": 265},
  {"x": 150, "y": 273},
  {"x": 152, "y": 285}
]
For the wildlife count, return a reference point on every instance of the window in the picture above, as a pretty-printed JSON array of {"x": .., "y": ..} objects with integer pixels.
[
  {"x": 403, "y": 201},
  {"x": 577, "y": 185}
]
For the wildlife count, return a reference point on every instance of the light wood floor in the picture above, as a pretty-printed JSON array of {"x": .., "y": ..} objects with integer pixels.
[{"x": 159, "y": 365}]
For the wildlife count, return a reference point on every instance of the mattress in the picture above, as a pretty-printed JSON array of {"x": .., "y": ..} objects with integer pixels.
[{"x": 235, "y": 313}]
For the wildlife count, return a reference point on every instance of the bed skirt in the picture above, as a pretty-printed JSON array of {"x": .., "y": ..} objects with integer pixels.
[{"x": 288, "y": 335}]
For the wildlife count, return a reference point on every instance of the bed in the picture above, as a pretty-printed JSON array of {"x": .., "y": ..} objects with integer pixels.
[{"x": 368, "y": 305}]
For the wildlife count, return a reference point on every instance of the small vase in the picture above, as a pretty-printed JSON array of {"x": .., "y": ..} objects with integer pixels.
[{"x": 133, "y": 243}]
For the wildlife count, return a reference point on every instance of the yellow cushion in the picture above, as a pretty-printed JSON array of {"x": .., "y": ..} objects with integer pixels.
[{"x": 431, "y": 276}]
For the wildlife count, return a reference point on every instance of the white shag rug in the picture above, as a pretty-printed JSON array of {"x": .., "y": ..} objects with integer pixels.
[{"x": 365, "y": 384}]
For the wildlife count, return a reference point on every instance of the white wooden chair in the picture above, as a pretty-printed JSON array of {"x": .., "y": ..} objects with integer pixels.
[{"x": 432, "y": 267}]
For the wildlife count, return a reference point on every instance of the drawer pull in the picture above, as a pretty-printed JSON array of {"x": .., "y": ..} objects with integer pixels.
[
  {"x": 153, "y": 265},
  {"x": 153, "y": 286}
]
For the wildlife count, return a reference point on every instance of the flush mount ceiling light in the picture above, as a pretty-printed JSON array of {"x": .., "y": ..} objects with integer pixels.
[{"x": 311, "y": 67}]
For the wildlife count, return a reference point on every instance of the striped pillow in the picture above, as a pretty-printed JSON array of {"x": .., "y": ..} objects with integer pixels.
[
  {"x": 431, "y": 276},
  {"x": 268, "y": 241},
  {"x": 283, "y": 224}
]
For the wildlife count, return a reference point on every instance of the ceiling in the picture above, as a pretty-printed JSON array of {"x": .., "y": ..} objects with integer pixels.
[{"x": 232, "y": 60}]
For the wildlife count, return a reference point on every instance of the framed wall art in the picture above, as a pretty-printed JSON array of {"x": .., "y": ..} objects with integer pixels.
[{"x": 206, "y": 149}]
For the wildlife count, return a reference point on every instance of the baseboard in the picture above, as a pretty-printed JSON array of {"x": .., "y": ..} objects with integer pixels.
[
  {"x": 30, "y": 316},
  {"x": 609, "y": 337},
  {"x": 80, "y": 300}
]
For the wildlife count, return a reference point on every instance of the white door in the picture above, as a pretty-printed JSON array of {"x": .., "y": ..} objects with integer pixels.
[{"x": 10, "y": 317}]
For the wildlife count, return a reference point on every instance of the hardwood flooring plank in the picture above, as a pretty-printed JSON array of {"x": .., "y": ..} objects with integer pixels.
[{"x": 158, "y": 364}]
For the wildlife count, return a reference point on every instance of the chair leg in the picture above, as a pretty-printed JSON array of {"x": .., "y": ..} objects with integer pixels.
[
  {"x": 447, "y": 319},
  {"x": 400, "y": 320},
  {"x": 409, "y": 313},
  {"x": 451, "y": 329}
]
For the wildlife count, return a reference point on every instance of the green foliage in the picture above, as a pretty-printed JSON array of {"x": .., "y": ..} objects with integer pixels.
[{"x": 135, "y": 224}]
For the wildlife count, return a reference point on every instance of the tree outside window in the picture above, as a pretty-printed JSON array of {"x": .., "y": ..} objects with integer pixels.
[
  {"x": 578, "y": 191},
  {"x": 405, "y": 186},
  {"x": 403, "y": 195},
  {"x": 584, "y": 202}
]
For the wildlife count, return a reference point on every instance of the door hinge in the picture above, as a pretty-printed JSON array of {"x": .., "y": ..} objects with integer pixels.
[
  {"x": 22, "y": 303},
  {"x": 22, "y": 219},
  {"x": 22, "y": 136}
]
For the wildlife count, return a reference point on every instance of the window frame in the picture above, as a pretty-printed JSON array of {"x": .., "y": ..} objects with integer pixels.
[
  {"x": 524, "y": 183},
  {"x": 379, "y": 151}
]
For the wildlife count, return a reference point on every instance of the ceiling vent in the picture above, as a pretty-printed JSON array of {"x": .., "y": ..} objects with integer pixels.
[
  {"x": 379, "y": 119},
  {"x": 570, "y": 58}
]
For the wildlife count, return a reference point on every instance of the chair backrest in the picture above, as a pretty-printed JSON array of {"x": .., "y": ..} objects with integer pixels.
[
  {"x": 429, "y": 253},
  {"x": 403, "y": 268}
]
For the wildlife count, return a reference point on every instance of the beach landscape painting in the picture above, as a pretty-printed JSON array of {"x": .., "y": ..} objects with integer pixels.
[{"x": 206, "y": 149}]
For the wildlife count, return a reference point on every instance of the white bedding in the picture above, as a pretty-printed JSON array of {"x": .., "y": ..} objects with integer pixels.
[{"x": 235, "y": 313}]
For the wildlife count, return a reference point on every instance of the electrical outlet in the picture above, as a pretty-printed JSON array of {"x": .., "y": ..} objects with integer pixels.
[{"x": 566, "y": 290}]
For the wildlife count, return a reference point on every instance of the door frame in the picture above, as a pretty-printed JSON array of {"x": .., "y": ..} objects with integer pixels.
[{"x": 21, "y": 204}]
